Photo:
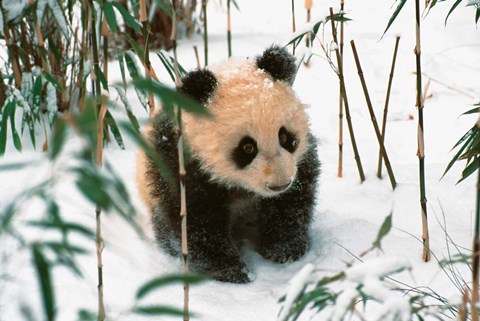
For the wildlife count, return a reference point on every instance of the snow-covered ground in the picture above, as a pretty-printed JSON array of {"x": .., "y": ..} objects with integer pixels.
[{"x": 348, "y": 214}]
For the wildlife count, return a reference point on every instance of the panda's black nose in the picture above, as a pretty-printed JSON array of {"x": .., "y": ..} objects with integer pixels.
[{"x": 278, "y": 188}]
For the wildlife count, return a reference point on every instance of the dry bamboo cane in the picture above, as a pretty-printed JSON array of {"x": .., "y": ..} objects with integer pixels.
[
  {"x": 308, "y": 6},
  {"x": 293, "y": 23},
  {"x": 372, "y": 117},
  {"x": 345, "y": 100},
  {"x": 195, "y": 49},
  {"x": 147, "y": 64},
  {"x": 476, "y": 253},
  {"x": 229, "y": 30},
  {"x": 98, "y": 211},
  {"x": 387, "y": 100},
  {"x": 421, "y": 145},
  {"x": 12, "y": 53},
  {"x": 340, "y": 102},
  {"x": 205, "y": 31},
  {"x": 182, "y": 173}
]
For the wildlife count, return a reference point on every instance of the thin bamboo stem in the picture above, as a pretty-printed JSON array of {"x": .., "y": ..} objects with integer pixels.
[
  {"x": 195, "y": 49},
  {"x": 372, "y": 117},
  {"x": 476, "y": 253},
  {"x": 308, "y": 6},
  {"x": 294, "y": 28},
  {"x": 421, "y": 145},
  {"x": 340, "y": 102},
  {"x": 147, "y": 64},
  {"x": 205, "y": 31},
  {"x": 182, "y": 174},
  {"x": 99, "y": 156},
  {"x": 229, "y": 30},
  {"x": 387, "y": 100},
  {"x": 345, "y": 100}
]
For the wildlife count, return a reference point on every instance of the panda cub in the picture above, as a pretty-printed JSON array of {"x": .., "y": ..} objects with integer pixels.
[{"x": 251, "y": 171}]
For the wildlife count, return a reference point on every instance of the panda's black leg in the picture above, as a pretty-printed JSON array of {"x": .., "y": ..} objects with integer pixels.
[
  {"x": 284, "y": 219},
  {"x": 211, "y": 248},
  {"x": 283, "y": 229}
]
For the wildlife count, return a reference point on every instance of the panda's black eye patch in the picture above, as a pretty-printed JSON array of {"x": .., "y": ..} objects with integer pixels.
[
  {"x": 245, "y": 152},
  {"x": 287, "y": 140}
]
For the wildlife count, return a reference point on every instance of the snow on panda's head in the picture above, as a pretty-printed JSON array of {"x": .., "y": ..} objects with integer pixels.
[{"x": 258, "y": 132}]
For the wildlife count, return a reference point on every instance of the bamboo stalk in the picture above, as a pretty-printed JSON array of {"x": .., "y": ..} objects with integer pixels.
[
  {"x": 99, "y": 157},
  {"x": 182, "y": 173},
  {"x": 229, "y": 32},
  {"x": 147, "y": 63},
  {"x": 294, "y": 28},
  {"x": 12, "y": 53},
  {"x": 476, "y": 252},
  {"x": 340, "y": 102},
  {"x": 387, "y": 100},
  {"x": 205, "y": 31},
  {"x": 372, "y": 117},
  {"x": 421, "y": 145},
  {"x": 195, "y": 49},
  {"x": 308, "y": 6},
  {"x": 345, "y": 101}
]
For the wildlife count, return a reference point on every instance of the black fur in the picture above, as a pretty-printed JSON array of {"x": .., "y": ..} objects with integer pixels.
[
  {"x": 283, "y": 220},
  {"x": 279, "y": 63},
  {"x": 287, "y": 140},
  {"x": 199, "y": 84},
  {"x": 241, "y": 157}
]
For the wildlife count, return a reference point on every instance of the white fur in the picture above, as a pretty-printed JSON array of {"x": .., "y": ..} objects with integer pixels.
[{"x": 248, "y": 102}]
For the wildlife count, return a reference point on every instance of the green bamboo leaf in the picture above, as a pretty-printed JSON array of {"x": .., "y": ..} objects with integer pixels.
[
  {"x": 142, "y": 143},
  {"x": 167, "y": 280},
  {"x": 37, "y": 94},
  {"x": 4, "y": 125},
  {"x": 168, "y": 67},
  {"x": 17, "y": 142},
  {"x": 114, "y": 129},
  {"x": 451, "y": 9},
  {"x": 43, "y": 268},
  {"x": 471, "y": 111},
  {"x": 384, "y": 230},
  {"x": 121, "y": 62},
  {"x": 136, "y": 47},
  {"x": 170, "y": 96},
  {"x": 477, "y": 15},
  {"x": 432, "y": 4},
  {"x": 58, "y": 138},
  {"x": 394, "y": 15},
  {"x": 15, "y": 166},
  {"x": 235, "y": 4},
  {"x": 470, "y": 169},
  {"x": 131, "y": 21},
  {"x": 128, "y": 108},
  {"x": 52, "y": 80},
  {"x": 135, "y": 73},
  {"x": 110, "y": 16},
  {"x": 67, "y": 226},
  {"x": 457, "y": 156},
  {"x": 158, "y": 310}
]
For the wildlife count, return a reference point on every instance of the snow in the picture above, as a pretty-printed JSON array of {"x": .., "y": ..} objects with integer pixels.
[
  {"x": 348, "y": 214},
  {"x": 14, "y": 9},
  {"x": 297, "y": 284}
]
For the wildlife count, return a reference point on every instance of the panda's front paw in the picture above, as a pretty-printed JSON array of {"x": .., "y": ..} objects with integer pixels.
[
  {"x": 282, "y": 252},
  {"x": 233, "y": 275}
]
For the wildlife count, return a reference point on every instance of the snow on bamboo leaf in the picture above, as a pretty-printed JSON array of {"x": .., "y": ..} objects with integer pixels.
[
  {"x": 135, "y": 72},
  {"x": 169, "y": 96},
  {"x": 57, "y": 12},
  {"x": 297, "y": 286},
  {"x": 51, "y": 103}
]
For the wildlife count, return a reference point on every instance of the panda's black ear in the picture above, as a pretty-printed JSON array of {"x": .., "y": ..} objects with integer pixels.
[
  {"x": 199, "y": 84},
  {"x": 279, "y": 63}
]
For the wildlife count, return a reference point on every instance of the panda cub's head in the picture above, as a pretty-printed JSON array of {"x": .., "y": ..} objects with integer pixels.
[{"x": 258, "y": 132}]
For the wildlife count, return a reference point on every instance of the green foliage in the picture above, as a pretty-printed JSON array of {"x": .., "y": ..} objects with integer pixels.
[
  {"x": 339, "y": 16},
  {"x": 468, "y": 149},
  {"x": 429, "y": 4}
]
